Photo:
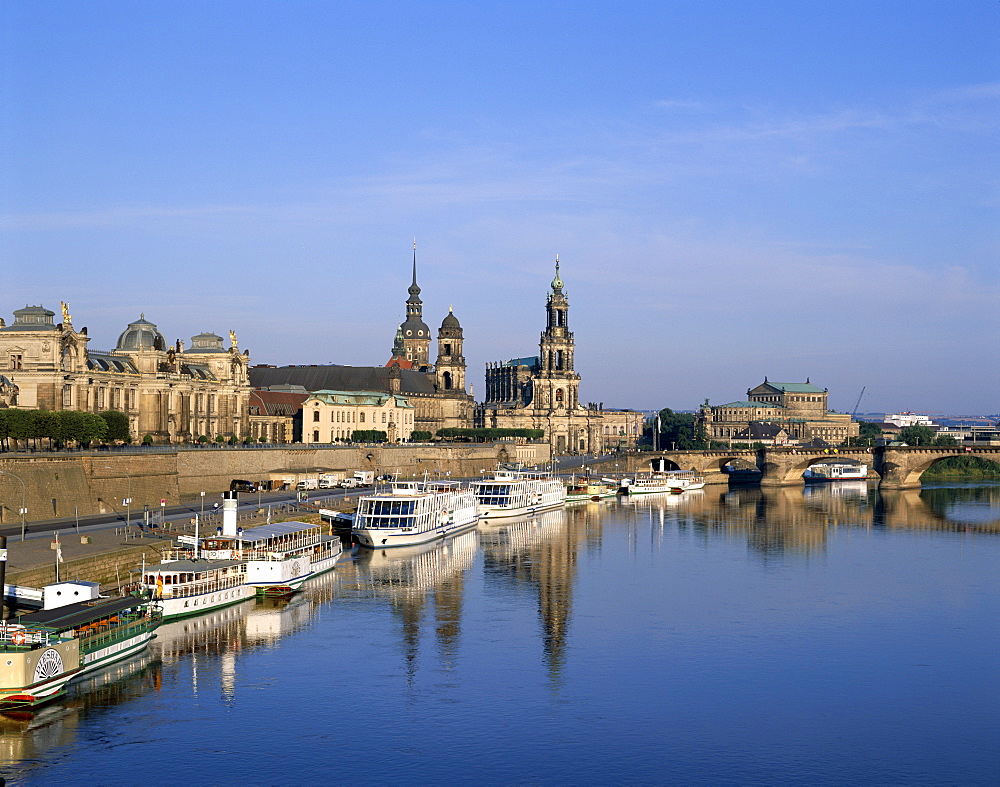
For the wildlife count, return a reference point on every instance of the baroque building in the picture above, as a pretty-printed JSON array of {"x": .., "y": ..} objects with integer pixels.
[
  {"x": 333, "y": 416},
  {"x": 543, "y": 392},
  {"x": 167, "y": 392},
  {"x": 799, "y": 410},
  {"x": 435, "y": 391}
]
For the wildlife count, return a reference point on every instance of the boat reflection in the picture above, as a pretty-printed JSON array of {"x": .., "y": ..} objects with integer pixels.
[{"x": 27, "y": 735}]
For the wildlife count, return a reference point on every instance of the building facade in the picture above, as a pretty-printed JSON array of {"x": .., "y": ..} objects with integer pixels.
[
  {"x": 333, "y": 416},
  {"x": 543, "y": 392},
  {"x": 167, "y": 392},
  {"x": 797, "y": 409},
  {"x": 436, "y": 392}
]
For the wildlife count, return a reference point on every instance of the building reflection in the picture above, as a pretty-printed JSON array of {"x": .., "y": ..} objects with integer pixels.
[
  {"x": 798, "y": 520},
  {"x": 415, "y": 579},
  {"x": 539, "y": 554}
]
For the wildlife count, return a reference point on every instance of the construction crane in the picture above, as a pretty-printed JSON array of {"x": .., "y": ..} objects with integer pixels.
[{"x": 855, "y": 410}]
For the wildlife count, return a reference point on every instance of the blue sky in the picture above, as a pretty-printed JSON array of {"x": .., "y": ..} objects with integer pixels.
[{"x": 735, "y": 189}]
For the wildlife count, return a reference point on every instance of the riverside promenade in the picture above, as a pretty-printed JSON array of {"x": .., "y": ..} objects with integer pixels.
[{"x": 114, "y": 554}]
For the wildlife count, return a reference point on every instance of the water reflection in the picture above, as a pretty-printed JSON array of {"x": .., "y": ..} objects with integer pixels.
[
  {"x": 412, "y": 579},
  {"x": 432, "y": 595},
  {"x": 536, "y": 557},
  {"x": 25, "y": 736}
]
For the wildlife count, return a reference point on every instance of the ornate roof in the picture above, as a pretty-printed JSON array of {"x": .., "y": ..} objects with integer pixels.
[
  {"x": 141, "y": 335},
  {"x": 32, "y": 318}
]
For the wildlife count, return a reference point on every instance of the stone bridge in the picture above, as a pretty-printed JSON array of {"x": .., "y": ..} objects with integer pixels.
[{"x": 897, "y": 468}]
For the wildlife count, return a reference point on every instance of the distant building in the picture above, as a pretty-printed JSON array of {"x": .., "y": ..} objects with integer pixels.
[
  {"x": 276, "y": 414},
  {"x": 542, "y": 392},
  {"x": 435, "y": 392},
  {"x": 172, "y": 394},
  {"x": 907, "y": 418},
  {"x": 334, "y": 416},
  {"x": 799, "y": 409}
]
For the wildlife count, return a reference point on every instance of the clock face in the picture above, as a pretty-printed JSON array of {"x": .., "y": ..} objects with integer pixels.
[{"x": 49, "y": 665}]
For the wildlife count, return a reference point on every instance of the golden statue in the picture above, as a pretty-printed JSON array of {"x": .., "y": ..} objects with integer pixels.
[
  {"x": 232, "y": 338},
  {"x": 67, "y": 320}
]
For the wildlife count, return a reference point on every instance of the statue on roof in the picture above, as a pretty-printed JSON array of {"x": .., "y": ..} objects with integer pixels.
[
  {"x": 67, "y": 319},
  {"x": 233, "y": 339}
]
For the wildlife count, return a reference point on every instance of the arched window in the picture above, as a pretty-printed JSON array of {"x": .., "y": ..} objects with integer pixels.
[
  {"x": 447, "y": 381},
  {"x": 316, "y": 436},
  {"x": 559, "y": 395},
  {"x": 316, "y": 416}
]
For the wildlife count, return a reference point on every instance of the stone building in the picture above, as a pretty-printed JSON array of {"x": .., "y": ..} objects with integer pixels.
[
  {"x": 799, "y": 409},
  {"x": 542, "y": 392},
  {"x": 333, "y": 416},
  {"x": 435, "y": 391},
  {"x": 276, "y": 415},
  {"x": 167, "y": 392}
]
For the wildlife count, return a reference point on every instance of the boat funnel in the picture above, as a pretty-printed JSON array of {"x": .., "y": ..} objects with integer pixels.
[{"x": 229, "y": 514}]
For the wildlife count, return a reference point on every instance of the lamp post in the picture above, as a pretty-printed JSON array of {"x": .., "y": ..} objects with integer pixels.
[
  {"x": 23, "y": 510},
  {"x": 128, "y": 500},
  {"x": 203, "y": 504}
]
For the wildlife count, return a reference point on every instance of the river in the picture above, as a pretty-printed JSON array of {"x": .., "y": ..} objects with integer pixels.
[{"x": 831, "y": 635}]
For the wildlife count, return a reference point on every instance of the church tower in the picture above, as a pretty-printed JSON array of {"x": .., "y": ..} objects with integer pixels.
[
  {"x": 557, "y": 385},
  {"x": 416, "y": 334},
  {"x": 450, "y": 367}
]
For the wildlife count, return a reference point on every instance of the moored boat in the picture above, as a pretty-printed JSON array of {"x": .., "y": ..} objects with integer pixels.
[
  {"x": 590, "y": 489},
  {"x": 836, "y": 471},
  {"x": 414, "y": 512},
  {"x": 77, "y": 632},
  {"x": 279, "y": 557},
  {"x": 187, "y": 584},
  {"x": 509, "y": 494}
]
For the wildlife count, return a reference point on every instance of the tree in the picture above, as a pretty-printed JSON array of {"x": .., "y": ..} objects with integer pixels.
[
  {"x": 868, "y": 433},
  {"x": 420, "y": 435},
  {"x": 369, "y": 436},
  {"x": 945, "y": 439},
  {"x": 118, "y": 429},
  {"x": 917, "y": 435},
  {"x": 677, "y": 431}
]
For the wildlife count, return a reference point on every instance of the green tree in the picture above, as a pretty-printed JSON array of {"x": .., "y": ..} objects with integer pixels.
[
  {"x": 868, "y": 433},
  {"x": 917, "y": 435},
  {"x": 369, "y": 436},
  {"x": 420, "y": 436},
  {"x": 945, "y": 439},
  {"x": 118, "y": 428},
  {"x": 680, "y": 431}
]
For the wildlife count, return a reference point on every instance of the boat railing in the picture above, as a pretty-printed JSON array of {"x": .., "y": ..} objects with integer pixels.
[
  {"x": 101, "y": 633},
  {"x": 199, "y": 588},
  {"x": 14, "y": 637}
]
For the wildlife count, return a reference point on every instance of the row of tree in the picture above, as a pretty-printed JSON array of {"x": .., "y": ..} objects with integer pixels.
[
  {"x": 59, "y": 428},
  {"x": 488, "y": 435}
]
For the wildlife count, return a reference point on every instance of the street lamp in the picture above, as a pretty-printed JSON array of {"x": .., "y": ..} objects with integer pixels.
[
  {"x": 23, "y": 510},
  {"x": 128, "y": 500}
]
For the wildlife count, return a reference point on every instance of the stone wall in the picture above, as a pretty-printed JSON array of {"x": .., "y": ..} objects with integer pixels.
[
  {"x": 108, "y": 568},
  {"x": 93, "y": 483}
]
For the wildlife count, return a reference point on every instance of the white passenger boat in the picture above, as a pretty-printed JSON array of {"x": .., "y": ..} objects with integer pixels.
[
  {"x": 78, "y": 631},
  {"x": 684, "y": 480},
  {"x": 836, "y": 471},
  {"x": 674, "y": 481},
  {"x": 279, "y": 557},
  {"x": 590, "y": 489},
  {"x": 414, "y": 512},
  {"x": 185, "y": 584},
  {"x": 510, "y": 493}
]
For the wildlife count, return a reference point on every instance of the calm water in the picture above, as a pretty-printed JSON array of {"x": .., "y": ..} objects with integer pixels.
[{"x": 825, "y": 636}]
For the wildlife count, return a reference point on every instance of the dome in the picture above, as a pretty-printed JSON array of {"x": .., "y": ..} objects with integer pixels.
[
  {"x": 451, "y": 321},
  {"x": 141, "y": 335}
]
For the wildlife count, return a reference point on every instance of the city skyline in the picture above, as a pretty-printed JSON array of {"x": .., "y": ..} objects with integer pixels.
[{"x": 736, "y": 191}]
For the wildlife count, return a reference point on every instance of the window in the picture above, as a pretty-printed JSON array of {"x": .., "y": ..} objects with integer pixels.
[
  {"x": 383, "y": 417},
  {"x": 361, "y": 418},
  {"x": 447, "y": 349},
  {"x": 316, "y": 436},
  {"x": 316, "y": 417},
  {"x": 15, "y": 361}
]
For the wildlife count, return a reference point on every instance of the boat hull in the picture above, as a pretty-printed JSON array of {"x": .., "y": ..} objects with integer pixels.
[
  {"x": 185, "y": 606},
  {"x": 379, "y": 538}
]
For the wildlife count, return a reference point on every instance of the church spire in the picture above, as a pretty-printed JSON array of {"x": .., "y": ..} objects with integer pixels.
[{"x": 557, "y": 283}]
